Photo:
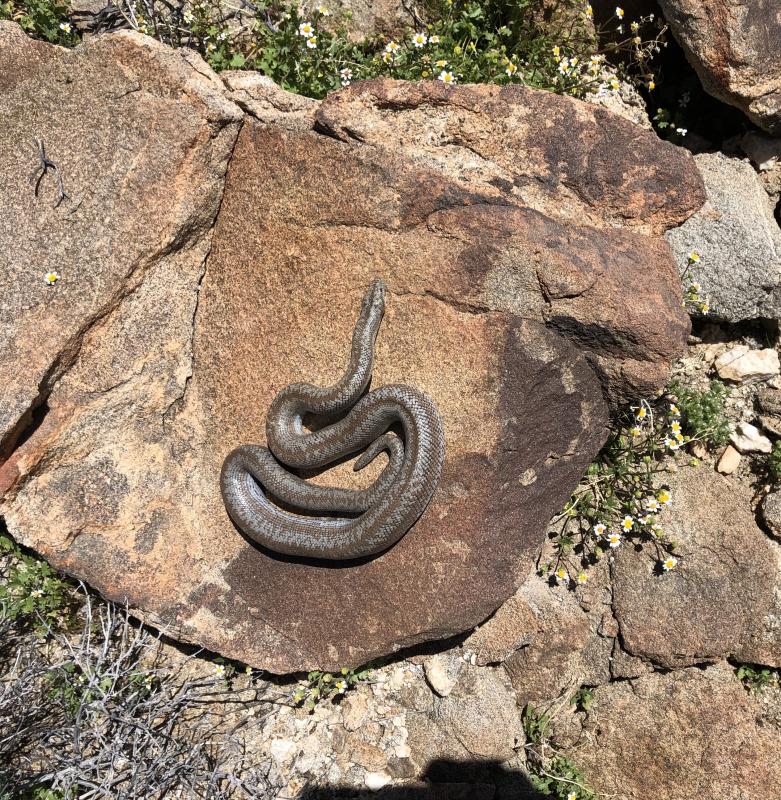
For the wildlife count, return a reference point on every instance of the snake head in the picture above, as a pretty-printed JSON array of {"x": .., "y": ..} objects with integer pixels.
[{"x": 375, "y": 295}]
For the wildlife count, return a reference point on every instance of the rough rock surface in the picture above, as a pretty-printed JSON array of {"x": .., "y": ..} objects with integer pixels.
[
  {"x": 122, "y": 117},
  {"x": 704, "y": 609},
  {"x": 631, "y": 739},
  {"x": 21, "y": 54},
  {"x": 736, "y": 50},
  {"x": 741, "y": 364},
  {"x": 738, "y": 239},
  {"x": 560, "y": 156},
  {"x": 514, "y": 321}
]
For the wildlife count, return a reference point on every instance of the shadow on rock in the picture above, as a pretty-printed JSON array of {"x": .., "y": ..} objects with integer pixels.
[{"x": 443, "y": 780}]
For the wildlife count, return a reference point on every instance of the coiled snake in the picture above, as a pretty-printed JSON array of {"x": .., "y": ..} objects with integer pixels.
[{"x": 387, "y": 509}]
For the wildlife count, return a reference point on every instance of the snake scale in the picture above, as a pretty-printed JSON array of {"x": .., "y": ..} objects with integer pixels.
[{"x": 350, "y": 523}]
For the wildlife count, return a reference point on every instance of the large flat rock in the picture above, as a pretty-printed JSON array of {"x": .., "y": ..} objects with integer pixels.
[{"x": 515, "y": 322}]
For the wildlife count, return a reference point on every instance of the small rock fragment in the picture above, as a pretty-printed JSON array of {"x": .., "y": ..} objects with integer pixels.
[
  {"x": 771, "y": 513},
  {"x": 376, "y": 780},
  {"x": 743, "y": 365},
  {"x": 748, "y": 439},
  {"x": 729, "y": 461},
  {"x": 442, "y": 672}
]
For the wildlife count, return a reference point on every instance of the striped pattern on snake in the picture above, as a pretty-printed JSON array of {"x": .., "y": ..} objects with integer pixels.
[{"x": 372, "y": 519}]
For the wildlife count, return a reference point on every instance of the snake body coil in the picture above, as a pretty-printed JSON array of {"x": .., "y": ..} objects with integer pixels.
[{"x": 383, "y": 512}]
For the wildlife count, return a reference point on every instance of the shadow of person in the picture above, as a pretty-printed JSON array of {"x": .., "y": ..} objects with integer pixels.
[{"x": 443, "y": 780}]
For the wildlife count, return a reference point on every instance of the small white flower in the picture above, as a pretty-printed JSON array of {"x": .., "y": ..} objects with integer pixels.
[
  {"x": 311, "y": 42},
  {"x": 51, "y": 277},
  {"x": 219, "y": 670},
  {"x": 582, "y": 578},
  {"x": 681, "y": 131},
  {"x": 433, "y": 39},
  {"x": 572, "y": 796},
  {"x": 341, "y": 686},
  {"x": 419, "y": 39},
  {"x": 669, "y": 563},
  {"x": 561, "y": 575},
  {"x": 306, "y": 29},
  {"x": 652, "y": 504},
  {"x": 65, "y": 27},
  {"x": 447, "y": 77},
  {"x": 37, "y": 593},
  {"x": 324, "y": 12},
  {"x": 627, "y": 523},
  {"x": 600, "y": 528},
  {"x": 664, "y": 497},
  {"x": 674, "y": 410},
  {"x": 511, "y": 69},
  {"x": 392, "y": 47},
  {"x": 672, "y": 443},
  {"x": 619, "y": 12},
  {"x": 345, "y": 76},
  {"x": 614, "y": 539}
]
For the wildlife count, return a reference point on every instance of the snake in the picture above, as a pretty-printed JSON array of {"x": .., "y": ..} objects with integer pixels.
[{"x": 281, "y": 511}]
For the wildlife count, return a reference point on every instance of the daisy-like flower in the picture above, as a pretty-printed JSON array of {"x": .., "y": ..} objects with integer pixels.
[
  {"x": 65, "y": 27},
  {"x": 671, "y": 443},
  {"x": 341, "y": 686},
  {"x": 447, "y": 77},
  {"x": 669, "y": 563},
  {"x": 561, "y": 575},
  {"x": 674, "y": 410},
  {"x": 211, "y": 47},
  {"x": 323, "y": 11},
  {"x": 599, "y": 529},
  {"x": 589, "y": 11},
  {"x": 619, "y": 12},
  {"x": 652, "y": 504},
  {"x": 635, "y": 26},
  {"x": 636, "y": 431},
  {"x": 615, "y": 84},
  {"x": 311, "y": 42},
  {"x": 511, "y": 69},
  {"x": 682, "y": 131},
  {"x": 582, "y": 578},
  {"x": 664, "y": 497},
  {"x": 614, "y": 539},
  {"x": 694, "y": 257},
  {"x": 392, "y": 47},
  {"x": 641, "y": 413},
  {"x": 679, "y": 438},
  {"x": 36, "y": 593},
  {"x": 219, "y": 670},
  {"x": 642, "y": 519},
  {"x": 704, "y": 307},
  {"x": 651, "y": 85},
  {"x": 675, "y": 426},
  {"x": 51, "y": 277},
  {"x": 306, "y": 29},
  {"x": 387, "y": 57},
  {"x": 419, "y": 39},
  {"x": 572, "y": 796},
  {"x": 627, "y": 522},
  {"x": 345, "y": 76},
  {"x": 441, "y": 63},
  {"x": 434, "y": 39},
  {"x": 556, "y": 51}
]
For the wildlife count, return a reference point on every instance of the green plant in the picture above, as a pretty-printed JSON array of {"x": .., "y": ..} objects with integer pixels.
[
  {"x": 305, "y": 50},
  {"x": 31, "y": 592},
  {"x": 757, "y": 678},
  {"x": 43, "y": 19},
  {"x": 321, "y": 686},
  {"x": 582, "y": 699},
  {"x": 551, "y": 772},
  {"x": 774, "y": 461},
  {"x": 702, "y": 413},
  {"x": 693, "y": 301},
  {"x": 621, "y": 497}
]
